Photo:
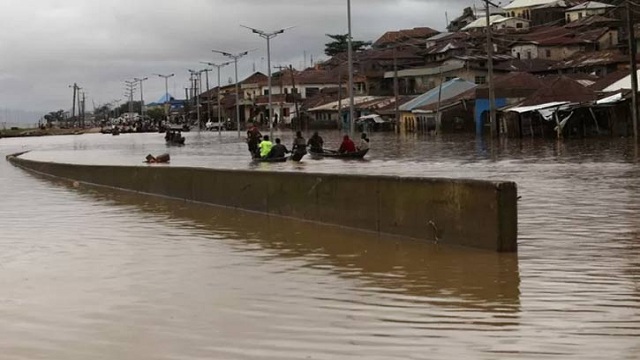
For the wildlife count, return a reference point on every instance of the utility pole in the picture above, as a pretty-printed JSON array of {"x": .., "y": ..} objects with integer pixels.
[
  {"x": 166, "y": 94},
  {"x": 140, "y": 80},
  {"x": 294, "y": 90},
  {"x": 350, "y": 60},
  {"x": 79, "y": 99},
  {"x": 396, "y": 92},
  {"x": 492, "y": 95},
  {"x": 235, "y": 58},
  {"x": 84, "y": 101},
  {"x": 218, "y": 67},
  {"x": 73, "y": 106},
  {"x": 197, "y": 89},
  {"x": 131, "y": 88},
  {"x": 633, "y": 69},
  {"x": 340, "y": 123}
]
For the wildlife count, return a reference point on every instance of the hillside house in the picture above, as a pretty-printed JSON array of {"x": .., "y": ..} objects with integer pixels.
[{"x": 587, "y": 9}]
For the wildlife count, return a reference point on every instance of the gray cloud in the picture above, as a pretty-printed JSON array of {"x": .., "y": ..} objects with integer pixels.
[{"x": 49, "y": 44}]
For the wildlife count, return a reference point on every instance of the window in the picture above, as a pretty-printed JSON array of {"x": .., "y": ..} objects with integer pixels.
[
  {"x": 579, "y": 17},
  {"x": 518, "y": 26},
  {"x": 529, "y": 54},
  {"x": 449, "y": 78},
  {"x": 481, "y": 80},
  {"x": 285, "y": 111},
  {"x": 286, "y": 91},
  {"x": 312, "y": 91},
  {"x": 266, "y": 92},
  {"x": 547, "y": 53}
]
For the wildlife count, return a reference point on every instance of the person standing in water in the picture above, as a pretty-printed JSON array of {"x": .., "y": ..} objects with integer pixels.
[
  {"x": 316, "y": 143},
  {"x": 299, "y": 144},
  {"x": 253, "y": 139}
]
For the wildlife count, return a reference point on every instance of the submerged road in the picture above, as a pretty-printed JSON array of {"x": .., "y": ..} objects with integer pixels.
[{"x": 97, "y": 274}]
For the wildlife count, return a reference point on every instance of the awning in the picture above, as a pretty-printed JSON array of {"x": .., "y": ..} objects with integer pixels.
[
  {"x": 524, "y": 109},
  {"x": 610, "y": 99},
  {"x": 376, "y": 118}
]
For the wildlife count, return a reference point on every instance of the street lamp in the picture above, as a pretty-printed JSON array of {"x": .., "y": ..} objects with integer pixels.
[
  {"x": 218, "y": 67},
  {"x": 235, "y": 58},
  {"x": 268, "y": 36},
  {"x": 350, "y": 60},
  {"x": 166, "y": 93},
  {"x": 140, "y": 80}
]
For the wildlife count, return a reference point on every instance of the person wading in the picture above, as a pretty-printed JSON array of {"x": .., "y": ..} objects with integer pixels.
[
  {"x": 253, "y": 139},
  {"x": 316, "y": 143},
  {"x": 299, "y": 144}
]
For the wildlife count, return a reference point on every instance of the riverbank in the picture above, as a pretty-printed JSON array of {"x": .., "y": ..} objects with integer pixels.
[{"x": 28, "y": 132}]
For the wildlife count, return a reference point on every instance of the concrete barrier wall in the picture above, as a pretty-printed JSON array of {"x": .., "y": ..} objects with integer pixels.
[{"x": 479, "y": 214}]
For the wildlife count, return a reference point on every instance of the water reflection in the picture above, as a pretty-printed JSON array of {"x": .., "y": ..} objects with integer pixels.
[{"x": 480, "y": 279}]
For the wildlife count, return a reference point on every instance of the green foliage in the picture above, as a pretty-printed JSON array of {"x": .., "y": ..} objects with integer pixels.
[
  {"x": 340, "y": 44},
  {"x": 54, "y": 116},
  {"x": 156, "y": 114},
  {"x": 124, "y": 108}
]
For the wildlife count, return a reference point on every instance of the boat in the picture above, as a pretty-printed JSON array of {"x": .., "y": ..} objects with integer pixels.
[
  {"x": 174, "y": 137},
  {"x": 273, "y": 160},
  {"x": 335, "y": 154}
]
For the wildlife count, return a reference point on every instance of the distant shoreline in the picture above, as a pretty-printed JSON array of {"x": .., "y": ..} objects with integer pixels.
[{"x": 45, "y": 132}]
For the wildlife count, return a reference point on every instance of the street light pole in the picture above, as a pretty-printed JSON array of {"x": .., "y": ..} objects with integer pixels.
[
  {"x": 206, "y": 73},
  {"x": 140, "y": 80},
  {"x": 166, "y": 93},
  {"x": 492, "y": 95},
  {"x": 268, "y": 37},
  {"x": 350, "y": 60},
  {"x": 235, "y": 58},
  {"x": 218, "y": 67}
]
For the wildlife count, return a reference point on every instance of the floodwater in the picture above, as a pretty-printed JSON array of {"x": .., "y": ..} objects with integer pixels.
[{"x": 90, "y": 273}]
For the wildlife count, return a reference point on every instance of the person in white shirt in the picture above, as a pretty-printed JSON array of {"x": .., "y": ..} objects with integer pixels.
[{"x": 364, "y": 142}]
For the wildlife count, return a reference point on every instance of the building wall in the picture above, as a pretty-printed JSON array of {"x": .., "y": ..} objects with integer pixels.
[
  {"x": 422, "y": 84},
  {"x": 572, "y": 16},
  {"x": 523, "y": 13},
  {"x": 525, "y": 51},
  {"x": 557, "y": 52},
  {"x": 517, "y": 24},
  {"x": 608, "y": 40}
]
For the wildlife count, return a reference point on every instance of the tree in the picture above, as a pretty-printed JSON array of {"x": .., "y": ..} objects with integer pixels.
[
  {"x": 53, "y": 117},
  {"x": 156, "y": 114},
  {"x": 340, "y": 44}
]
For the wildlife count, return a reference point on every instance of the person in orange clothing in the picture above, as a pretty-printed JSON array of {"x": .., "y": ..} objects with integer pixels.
[{"x": 347, "y": 146}]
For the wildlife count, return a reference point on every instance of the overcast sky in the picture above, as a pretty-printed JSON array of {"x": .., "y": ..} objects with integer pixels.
[{"x": 47, "y": 45}]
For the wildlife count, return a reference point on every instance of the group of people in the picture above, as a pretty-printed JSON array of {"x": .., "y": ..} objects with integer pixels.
[{"x": 261, "y": 146}]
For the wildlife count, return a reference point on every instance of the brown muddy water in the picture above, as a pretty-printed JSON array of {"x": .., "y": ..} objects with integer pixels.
[{"x": 89, "y": 273}]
